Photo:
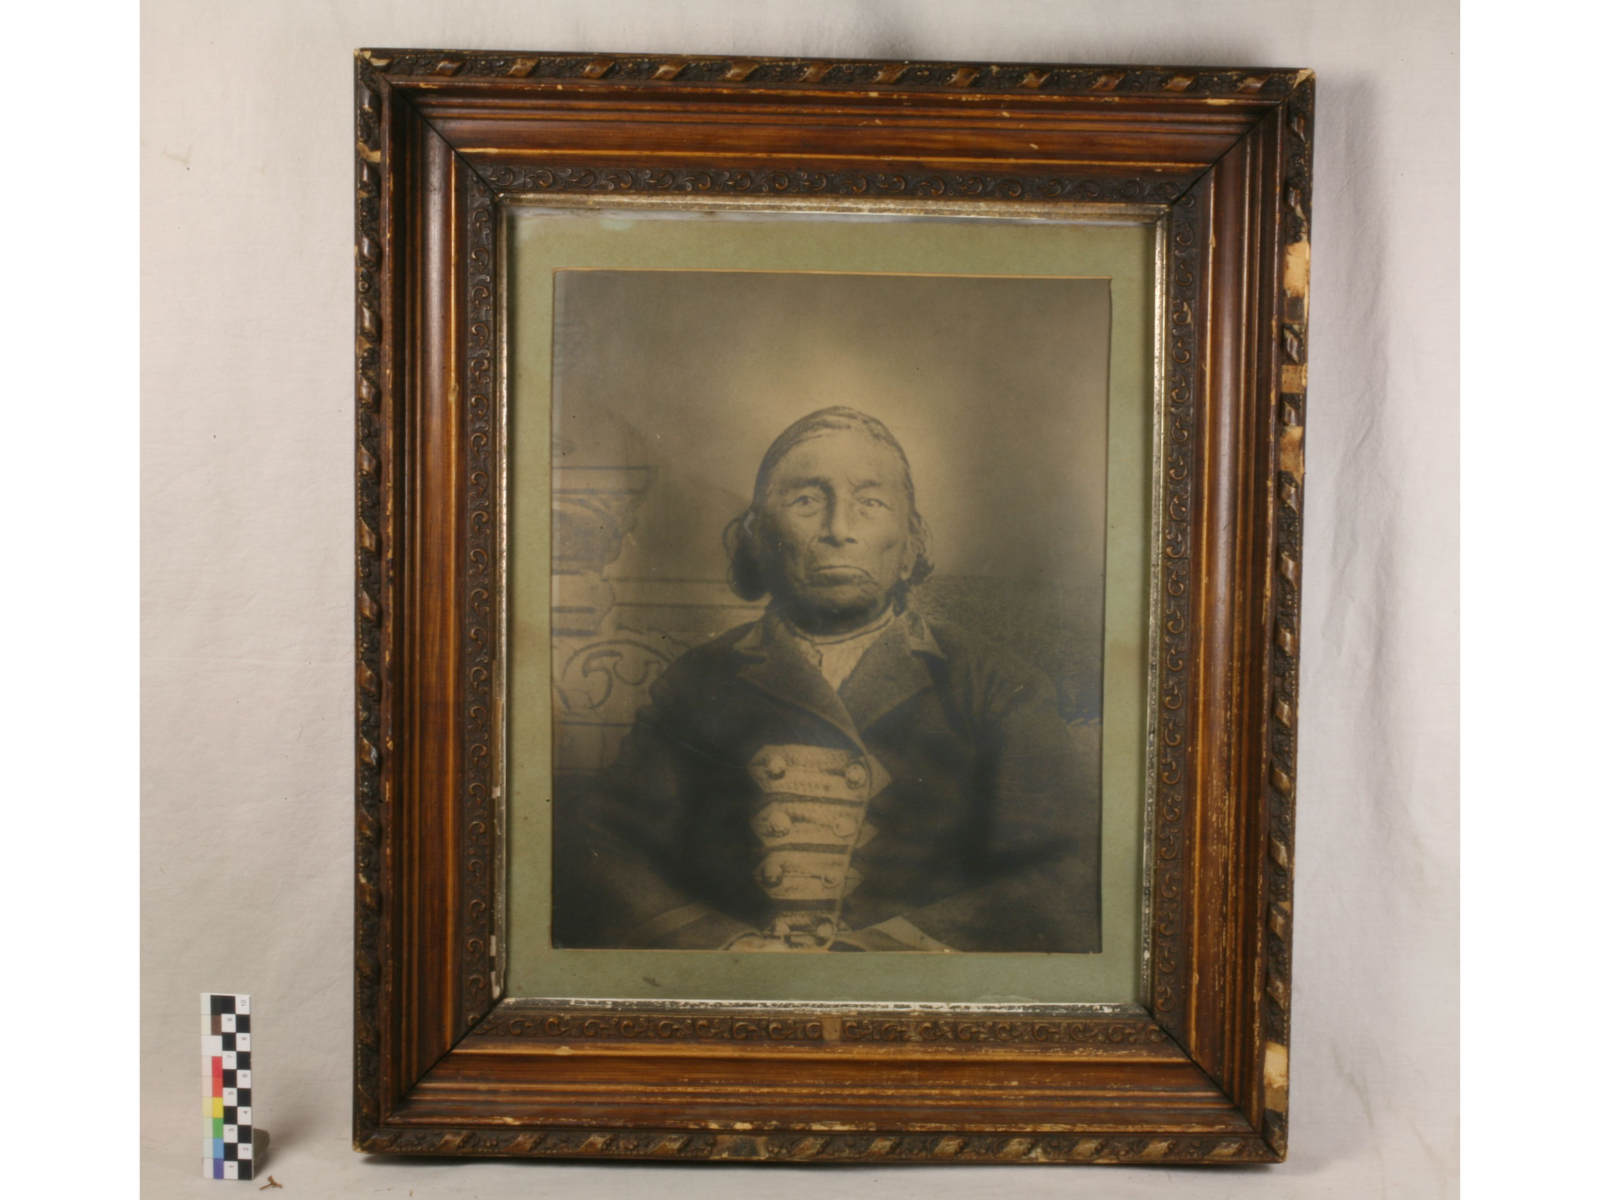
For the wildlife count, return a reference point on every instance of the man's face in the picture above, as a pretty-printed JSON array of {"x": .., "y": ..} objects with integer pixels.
[{"x": 838, "y": 530}]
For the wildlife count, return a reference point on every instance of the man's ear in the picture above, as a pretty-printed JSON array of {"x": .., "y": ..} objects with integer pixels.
[
  {"x": 909, "y": 553},
  {"x": 916, "y": 549}
]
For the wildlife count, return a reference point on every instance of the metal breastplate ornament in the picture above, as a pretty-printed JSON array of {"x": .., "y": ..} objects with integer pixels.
[{"x": 810, "y": 818}]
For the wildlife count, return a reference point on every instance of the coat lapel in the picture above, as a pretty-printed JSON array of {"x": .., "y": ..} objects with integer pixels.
[
  {"x": 892, "y": 671},
  {"x": 775, "y": 663}
]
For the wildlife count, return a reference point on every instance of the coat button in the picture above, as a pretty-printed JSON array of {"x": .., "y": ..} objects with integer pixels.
[
  {"x": 776, "y": 766},
  {"x": 844, "y": 827},
  {"x": 774, "y": 823},
  {"x": 856, "y": 774},
  {"x": 771, "y": 873}
]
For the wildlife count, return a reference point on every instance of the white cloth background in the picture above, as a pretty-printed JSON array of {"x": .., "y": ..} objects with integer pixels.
[{"x": 246, "y": 374}]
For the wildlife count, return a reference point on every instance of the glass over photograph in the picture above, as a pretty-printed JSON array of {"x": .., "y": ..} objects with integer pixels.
[{"x": 826, "y": 635}]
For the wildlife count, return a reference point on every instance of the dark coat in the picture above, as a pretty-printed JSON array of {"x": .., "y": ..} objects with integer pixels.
[{"x": 937, "y": 801}]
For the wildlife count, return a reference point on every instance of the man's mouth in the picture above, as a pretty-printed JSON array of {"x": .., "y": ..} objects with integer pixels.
[{"x": 837, "y": 573}]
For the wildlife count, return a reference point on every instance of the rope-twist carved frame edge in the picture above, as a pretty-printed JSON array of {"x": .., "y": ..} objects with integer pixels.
[{"x": 374, "y": 718}]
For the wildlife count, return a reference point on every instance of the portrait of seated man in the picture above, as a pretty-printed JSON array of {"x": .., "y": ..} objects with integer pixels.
[{"x": 842, "y": 774}]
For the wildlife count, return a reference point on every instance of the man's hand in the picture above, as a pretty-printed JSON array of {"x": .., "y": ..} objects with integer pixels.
[
  {"x": 757, "y": 941},
  {"x": 894, "y": 934}
]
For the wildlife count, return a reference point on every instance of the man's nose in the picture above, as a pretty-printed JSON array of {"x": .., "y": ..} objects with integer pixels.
[{"x": 837, "y": 527}]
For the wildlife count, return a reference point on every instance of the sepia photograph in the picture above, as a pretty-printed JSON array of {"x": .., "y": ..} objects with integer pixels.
[{"x": 827, "y": 611}]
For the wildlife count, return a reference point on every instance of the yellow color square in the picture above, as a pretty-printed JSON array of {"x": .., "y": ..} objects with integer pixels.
[{"x": 216, "y": 1107}]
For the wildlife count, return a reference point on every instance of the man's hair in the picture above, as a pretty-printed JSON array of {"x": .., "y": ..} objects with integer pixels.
[{"x": 745, "y": 537}]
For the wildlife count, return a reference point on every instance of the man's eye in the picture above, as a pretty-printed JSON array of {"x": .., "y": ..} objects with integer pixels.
[
  {"x": 869, "y": 502},
  {"x": 802, "y": 501}
]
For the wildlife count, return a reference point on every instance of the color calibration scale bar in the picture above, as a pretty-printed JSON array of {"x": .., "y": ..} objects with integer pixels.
[{"x": 225, "y": 1085}]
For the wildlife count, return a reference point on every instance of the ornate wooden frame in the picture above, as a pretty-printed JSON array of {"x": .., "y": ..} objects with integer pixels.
[{"x": 443, "y": 1063}]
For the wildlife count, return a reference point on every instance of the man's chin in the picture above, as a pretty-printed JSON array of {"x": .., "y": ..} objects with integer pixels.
[{"x": 839, "y": 605}]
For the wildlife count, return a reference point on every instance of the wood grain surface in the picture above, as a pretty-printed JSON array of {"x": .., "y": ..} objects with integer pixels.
[{"x": 443, "y": 1063}]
